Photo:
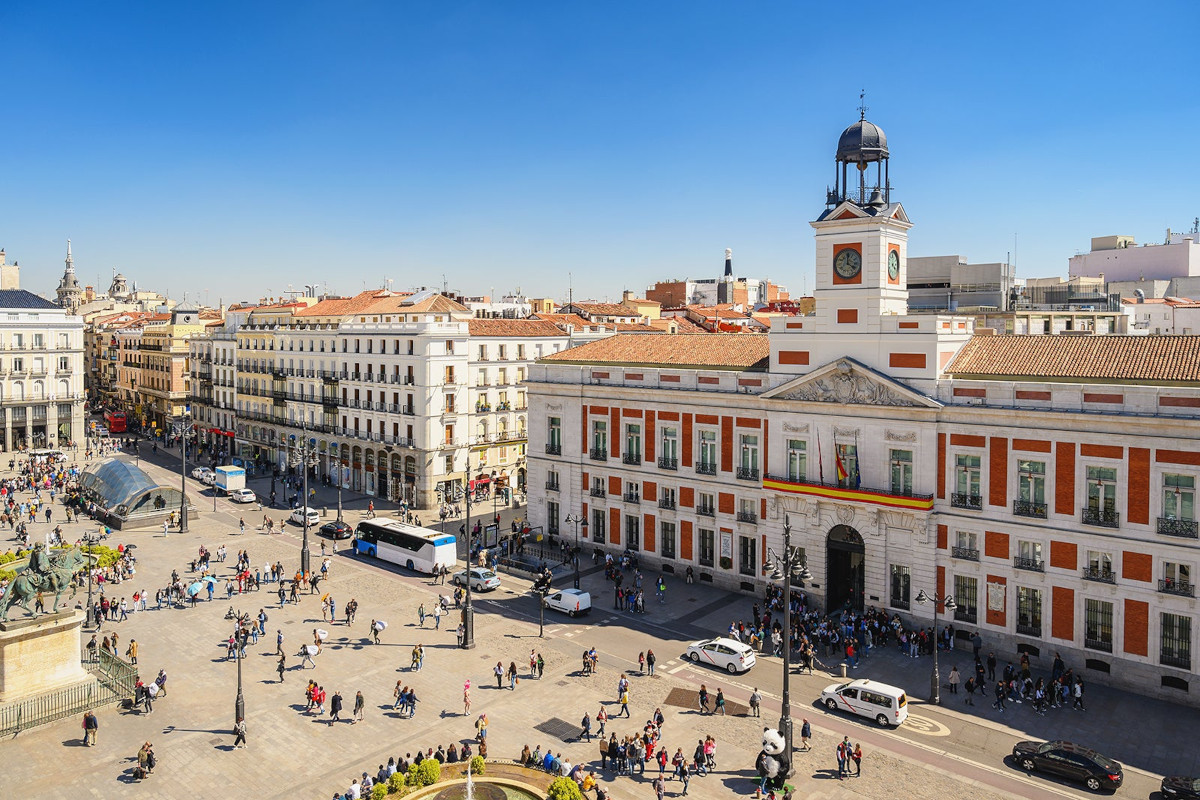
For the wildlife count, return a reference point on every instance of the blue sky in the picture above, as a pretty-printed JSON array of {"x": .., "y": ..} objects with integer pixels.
[{"x": 229, "y": 150}]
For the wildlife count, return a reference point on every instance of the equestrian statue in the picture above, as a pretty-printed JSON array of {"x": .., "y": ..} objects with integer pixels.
[{"x": 43, "y": 571}]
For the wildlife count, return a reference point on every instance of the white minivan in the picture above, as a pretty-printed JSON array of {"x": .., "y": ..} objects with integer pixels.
[
  {"x": 885, "y": 704},
  {"x": 571, "y": 602}
]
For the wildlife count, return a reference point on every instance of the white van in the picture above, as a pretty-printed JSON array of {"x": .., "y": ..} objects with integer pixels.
[
  {"x": 572, "y": 602},
  {"x": 885, "y": 704},
  {"x": 313, "y": 517}
]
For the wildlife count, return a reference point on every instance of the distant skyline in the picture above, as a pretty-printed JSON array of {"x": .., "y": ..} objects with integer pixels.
[{"x": 229, "y": 150}]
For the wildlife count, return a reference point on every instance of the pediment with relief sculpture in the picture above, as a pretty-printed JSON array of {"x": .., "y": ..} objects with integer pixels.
[{"x": 848, "y": 382}]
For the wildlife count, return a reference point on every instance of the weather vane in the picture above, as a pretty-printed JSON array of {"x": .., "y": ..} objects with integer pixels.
[{"x": 862, "y": 106}]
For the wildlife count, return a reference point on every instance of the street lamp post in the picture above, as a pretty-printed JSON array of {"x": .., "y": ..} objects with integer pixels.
[
  {"x": 935, "y": 680},
  {"x": 339, "y": 487},
  {"x": 182, "y": 427},
  {"x": 787, "y": 566},
  {"x": 304, "y": 455},
  {"x": 468, "y": 612},
  {"x": 578, "y": 519},
  {"x": 239, "y": 705},
  {"x": 90, "y": 620}
]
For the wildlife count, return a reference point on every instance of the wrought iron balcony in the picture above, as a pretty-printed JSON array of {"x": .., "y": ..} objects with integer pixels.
[
  {"x": 1169, "y": 526},
  {"x": 1175, "y": 658},
  {"x": 554, "y": 449},
  {"x": 632, "y": 497},
  {"x": 598, "y": 492},
  {"x": 706, "y": 468},
  {"x": 899, "y": 602},
  {"x": 973, "y": 501},
  {"x": 706, "y": 511},
  {"x": 747, "y": 516},
  {"x": 965, "y": 615},
  {"x": 1028, "y": 508},
  {"x": 1101, "y": 517},
  {"x": 1100, "y": 574},
  {"x": 552, "y": 486},
  {"x": 633, "y": 459},
  {"x": 598, "y": 454},
  {"x": 1031, "y": 564},
  {"x": 1025, "y": 629},
  {"x": 1097, "y": 644},
  {"x": 668, "y": 463},
  {"x": 1181, "y": 588},
  {"x": 747, "y": 473},
  {"x": 965, "y": 553},
  {"x": 667, "y": 503}
]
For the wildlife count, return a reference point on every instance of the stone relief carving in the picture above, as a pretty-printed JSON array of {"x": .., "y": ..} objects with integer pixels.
[
  {"x": 848, "y": 387},
  {"x": 845, "y": 514},
  {"x": 790, "y": 428},
  {"x": 794, "y": 507},
  {"x": 847, "y": 432},
  {"x": 898, "y": 436}
]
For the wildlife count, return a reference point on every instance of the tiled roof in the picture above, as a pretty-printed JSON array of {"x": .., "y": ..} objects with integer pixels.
[
  {"x": 19, "y": 298},
  {"x": 402, "y": 304},
  {"x": 684, "y": 350},
  {"x": 563, "y": 319},
  {"x": 607, "y": 309},
  {"x": 342, "y": 306},
  {"x": 1098, "y": 358},
  {"x": 682, "y": 325},
  {"x": 513, "y": 327}
]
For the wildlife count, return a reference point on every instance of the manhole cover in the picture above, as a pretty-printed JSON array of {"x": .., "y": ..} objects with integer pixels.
[
  {"x": 559, "y": 728},
  {"x": 562, "y": 683},
  {"x": 689, "y": 698}
]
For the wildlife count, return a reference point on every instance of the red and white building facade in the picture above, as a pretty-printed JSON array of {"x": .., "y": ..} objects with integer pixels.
[{"x": 1046, "y": 483}]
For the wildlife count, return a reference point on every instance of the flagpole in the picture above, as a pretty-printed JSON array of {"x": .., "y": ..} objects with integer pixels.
[{"x": 820, "y": 459}]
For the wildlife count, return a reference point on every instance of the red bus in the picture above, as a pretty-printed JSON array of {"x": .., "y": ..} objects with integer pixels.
[{"x": 115, "y": 421}]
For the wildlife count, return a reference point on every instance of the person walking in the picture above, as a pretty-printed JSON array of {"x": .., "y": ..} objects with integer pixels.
[
  {"x": 586, "y": 724},
  {"x": 132, "y": 651},
  {"x": 421, "y": 615},
  {"x": 498, "y": 671},
  {"x": 1078, "y": 693},
  {"x": 512, "y": 676},
  {"x": 1000, "y": 692},
  {"x": 239, "y": 733},
  {"x": 650, "y": 659},
  {"x": 720, "y": 706},
  {"x": 281, "y": 667},
  {"x": 625, "y": 703},
  {"x": 755, "y": 703},
  {"x": 90, "y": 726},
  {"x": 335, "y": 707},
  {"x": 703, "y": 699},
  {"x": 601, "y": 717},
  {"x": 359, "y": 704},
  {"x": 467, "y": 697},
  {"x": 437, "y": 617},
  {"x": 954, "y": 679},
  {"x": 805, "y": 735},
  {"x": 843, "y": 755},
  {"x": 857, "y": 756}
]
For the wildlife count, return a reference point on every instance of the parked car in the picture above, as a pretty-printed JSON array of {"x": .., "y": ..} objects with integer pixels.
[
  {"x": 336, "y": 530},
  {"x": 1177, "y": 787},
  {"x": 887, "y": 705},
  {"x": 1070, "y": 761},
  {"x": 208, "y": 478},
  {"x": 727, "y": 654},
  {"x": 200, "y": 472},
  {"x": 572, "y": 602},
  {"x": 481, "y": 579},
  {"x": 243, "y": 496},
  {"x": 298, "y": 516}
]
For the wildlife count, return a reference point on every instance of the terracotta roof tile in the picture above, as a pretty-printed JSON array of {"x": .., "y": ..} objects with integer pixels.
[
  {"x": 342, "y": 306},
  {"x": 684, "y": 350},
  {"x": 607, "y": 309},
  {"x": 1097, "y": 358},
  {"x": 403, "y": 304},
  {"x": 513, "y": 327}
]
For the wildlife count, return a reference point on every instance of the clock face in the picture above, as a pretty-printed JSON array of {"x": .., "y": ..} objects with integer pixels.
[
  {"x": 893, "y": 265},
  {"x": 847, "y": 264}
]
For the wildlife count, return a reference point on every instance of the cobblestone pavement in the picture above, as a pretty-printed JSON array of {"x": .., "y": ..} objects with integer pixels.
[{"x": 294, "y": 754}]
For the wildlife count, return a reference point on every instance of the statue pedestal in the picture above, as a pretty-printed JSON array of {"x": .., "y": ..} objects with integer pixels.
[{"x": 40, "y": 654}]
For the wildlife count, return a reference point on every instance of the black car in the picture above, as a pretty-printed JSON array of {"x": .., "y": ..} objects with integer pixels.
[
  {"x": 336, "y": 530},
  {"x": 1177, "y": 786},
  {"x": 1070, "y": 761}
]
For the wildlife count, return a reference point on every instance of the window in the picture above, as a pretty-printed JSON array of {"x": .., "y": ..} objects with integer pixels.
[
  {"x": 599, "y": 526},
  {"x": 747, "y": 555},
  {"x": 666, "y": 498},
  {"x": 450, "y": 346},
  {"x": 481, "y": 378},
  {"x": 1177, "y": 579},
  {"x": 707, "y": 540},
  {"x": 846, "y": 465},
  {"x": 599, "y": 439},
  {"x": 551, "y": 476},
  {"x": 502, "y": 377},
  {"x": 668, "y": 457},
  {"x": 746, "y": 512},
  {"x": 520, "y": 352},
  {"x": 749, "y": 454},
  {"x": 966, "y": 590},
  {"x": 554, "y": 437},
  {"x": 1031, "y": 491},
  {"x": 1175, "y": 649},
  {"x": 705, "y": 505},
  {"x": 449, "y": 435},
  {"x": 966, "y": 545},
  {"x": 797, "y": 460},
  {"x": 1101, "y": 497},
  {"x": 1099, "y": 566},
  {"x": 633, "y": 536},
  {"x": 901, "y": 587},
  {"x": 1029, "y": 611},
  {"x": 902, "y": 472},
  {"x": 1179, "y": 497},
  {"x": 1098, "y": 625},
  {"x": 597, "y": 487},
  {"x": 64, "y": 363},
  {"x": 667, "y": 539},
  {"x": 707, "y": 465},
  {"x": 552, "y": 517},
  {"x": 966, "y": 482},
  {"x": 632, "y": 492},
  {"x": 1029, "y": 556},
  {"x": 633, "y": 444},
  {"x": 483, "y": 354},
  {"x": 503, "y": 352},
  {"x": 449, "y": 464}
]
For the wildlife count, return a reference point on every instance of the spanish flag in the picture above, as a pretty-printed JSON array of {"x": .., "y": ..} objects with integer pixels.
[{"x": 841, "y": 468}]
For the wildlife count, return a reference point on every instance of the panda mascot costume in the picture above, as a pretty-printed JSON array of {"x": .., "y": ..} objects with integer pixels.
[{"x": 773, "y": 762}]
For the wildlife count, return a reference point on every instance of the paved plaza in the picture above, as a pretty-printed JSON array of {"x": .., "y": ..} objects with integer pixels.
[{"x": 950, "y": 751}]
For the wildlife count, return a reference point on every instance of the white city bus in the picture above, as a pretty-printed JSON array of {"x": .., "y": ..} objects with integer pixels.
[{"x": 407, "y": 545}]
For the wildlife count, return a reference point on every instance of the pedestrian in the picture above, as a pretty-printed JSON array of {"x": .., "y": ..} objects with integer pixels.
[
  {"x": 755, "y": 703},
  {"x": 970, "y": 687},
  {"x": 586, "y": 733},
  {"x": 541, "y": 665},
  {"x": 685, "y": 776},
  {"x": 954, "y": 678},
  {"x": 1000, "y": 692},
  {"x": 991, "y": 665},
  {"x": 467, "y": 697},
  {"x": 650, "y": 659},
  {"x": 625, "y": 703},
  {"x": 437, "y": 616},
  {"x": 90, "y": 726},
  {"x": 843, "y": 755},
  {"x": 281, "y": 667},
  {"x": 335, "y": 707},
  {"x": 279, "y": 641},
  {"x": 642, "y": 663},
  {"x": 601, "y": 717},
  {"x": 132, "y": 651},
  {"x": 720, "y": 705},
  {"x": 239, "y": 731},
  {"x": 498, "y": 671},
  {"x": 512, "y": 676},
  {"x": 359, "y": 704},
  {"x": 421, "y": 615},
  {"x": 1078, "y": 692},
  {"x": 703, "y": 699},
  {"x": 805, "y": 735},
  {"x": 857, "y": 756},
  {"x": 306, "y": 652}
]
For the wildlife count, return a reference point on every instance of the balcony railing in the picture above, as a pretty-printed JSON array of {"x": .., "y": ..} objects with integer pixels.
[
  {"x": 747, "y": 473},
  {"x": 667, "y": 503},
  {"x": 552, "y": 486},
  {"x": 668, "y": 463},
  {"x": 632, "y": 497},
  {"x": 706, "y": 511},
  {"x": 1097, "y": 644},
  {"x": 1028, "y": 508},
  {"x": 554, "y": 449},
  {"x": 1099, "y": 574},
  {"x": 1025, "y": 629},
  {"x": 1169, "y": 526},
  {"x": 1181, "y": 588},
  {"x": 633, "y": 459},
  {"x": 965, "y": 553},
  {"x": 973, "y": 501},
  {"x": 706, "y": 468},
  {"x": 900, "y": 603},
  {"x": 1175, "y": 658},
  {"x": 1031, "y": 564},
  {"x": 747, "y": 516},
  {"x": 598, "y": 492},
  {"x": 598, "y": 454},
  {"x": 965, "y": 615},
  {"x": 1101, "y": 517}
]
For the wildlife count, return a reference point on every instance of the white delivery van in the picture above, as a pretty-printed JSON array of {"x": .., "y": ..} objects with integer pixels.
[
  {"x": 887, "y": 705},
  {"x": 572, "y": 602}
]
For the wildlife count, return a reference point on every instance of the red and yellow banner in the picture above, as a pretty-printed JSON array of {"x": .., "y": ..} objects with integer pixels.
[{"x": 876, "y": 498}]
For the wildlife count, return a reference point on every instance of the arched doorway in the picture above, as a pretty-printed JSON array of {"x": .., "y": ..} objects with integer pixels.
[{"x": 845, "y": 570}]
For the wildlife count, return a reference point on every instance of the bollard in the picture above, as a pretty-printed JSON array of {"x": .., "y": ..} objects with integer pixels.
[
  {"x": 843, "y": 668},
  {"x": 324, "y": 512}
]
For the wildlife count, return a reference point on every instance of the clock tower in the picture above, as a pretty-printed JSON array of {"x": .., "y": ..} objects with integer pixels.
[{"x": 861, "y": 238}]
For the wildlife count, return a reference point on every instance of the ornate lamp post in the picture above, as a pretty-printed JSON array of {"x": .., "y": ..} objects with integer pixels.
[
  {"x": 787, "y": 566},
  {"x": 468, "y": 612},
  {"x": 239, "y": 705},
  {"x": 90, "y": 539},
  {"x": 579, "y": 520},
  {"x": 181, "y": 429},
  {"x": 303, "y": 454},
  {"x": 935, "y": 680}
]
